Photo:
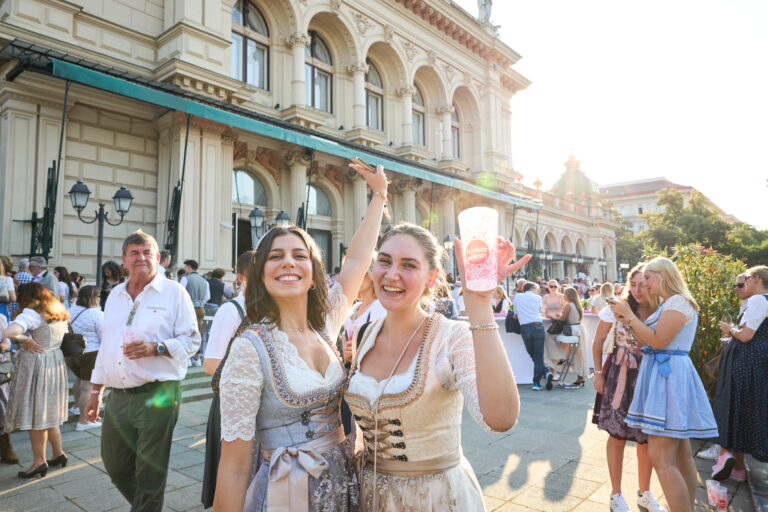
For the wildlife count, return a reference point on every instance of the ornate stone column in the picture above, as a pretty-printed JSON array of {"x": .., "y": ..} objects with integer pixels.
[
  {"x": 445, "y": 119},
  {"x": 359, "y": 196},
  {"x": 406, "y": 95},
  {"x": 358, "y": 72},
  {"x": 297, "y": 162},
  {"x": 298, "y": 43},
  {"x": 407, "y": 189},
  {"x": 447, "y": 197}
]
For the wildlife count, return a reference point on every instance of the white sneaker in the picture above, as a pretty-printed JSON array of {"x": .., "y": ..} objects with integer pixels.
[
  {"x": 711, "y": 453},
  {"x": 197, "y": 362},
  {"x": 74, "y": 410},
  {"x": 647, "y": 503},
  {"x": 618, "y": 504},
  {"x": 87, "y": 426}
]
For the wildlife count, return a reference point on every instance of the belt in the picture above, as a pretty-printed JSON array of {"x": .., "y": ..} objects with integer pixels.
[
  {"x": 661, "y": 358},
  {"x": 145, "y": 388},
  {"x": 531, "y": 323},
  {"x": 416, "y": 468}
]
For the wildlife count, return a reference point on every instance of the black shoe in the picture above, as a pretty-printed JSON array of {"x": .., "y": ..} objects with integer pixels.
[
  {"x": 61, "y": 460},
  {"x": 41, "y": 470},
  {"x": 549, "y": 381}
]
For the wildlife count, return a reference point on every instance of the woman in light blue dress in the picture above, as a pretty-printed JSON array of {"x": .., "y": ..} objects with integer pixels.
[{"x": 670, "y": 404}]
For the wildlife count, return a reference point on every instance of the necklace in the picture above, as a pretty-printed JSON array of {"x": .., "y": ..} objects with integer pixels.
[{"x": 300, "y": 330}]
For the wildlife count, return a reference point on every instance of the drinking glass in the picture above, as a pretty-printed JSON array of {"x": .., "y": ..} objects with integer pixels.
[{"x": 479, "y": 232}]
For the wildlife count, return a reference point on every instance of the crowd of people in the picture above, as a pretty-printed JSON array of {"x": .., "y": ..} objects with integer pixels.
[{"x": 346, "y": 391}]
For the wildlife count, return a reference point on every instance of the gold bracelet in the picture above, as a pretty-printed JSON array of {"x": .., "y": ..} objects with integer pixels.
[
  {"x": 381, "y": 194},
  {"x": 484, "y": 327},
  {"x": 630, "y": 320}
]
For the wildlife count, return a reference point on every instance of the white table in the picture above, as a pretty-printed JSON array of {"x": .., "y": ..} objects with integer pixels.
[{"x": 522, "y": 365}]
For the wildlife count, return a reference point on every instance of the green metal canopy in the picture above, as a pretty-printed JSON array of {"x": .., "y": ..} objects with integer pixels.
[{"x": 318, "y": 142}]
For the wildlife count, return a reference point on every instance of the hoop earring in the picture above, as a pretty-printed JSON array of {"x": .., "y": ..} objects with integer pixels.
[{"x": 313, "y": 287}]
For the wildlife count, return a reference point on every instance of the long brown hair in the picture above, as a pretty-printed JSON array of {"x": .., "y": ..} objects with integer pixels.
[
  {"x": 653, "y": 302},
  {"x": 259, "y": 304},
  {"x": 37, "y": 297},
  {"x": 573, "y": 298}
]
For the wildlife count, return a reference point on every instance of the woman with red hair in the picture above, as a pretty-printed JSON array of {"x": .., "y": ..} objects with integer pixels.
[{"x": 38, "y": 395}]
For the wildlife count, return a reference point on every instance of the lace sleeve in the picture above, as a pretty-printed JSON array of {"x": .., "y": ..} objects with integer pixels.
[
  {"x": 680, "y": 304},
  {"x": 337, "y": 310},
  {"x": 240, "y": 391},
  {"x": 455, "y": 364}
]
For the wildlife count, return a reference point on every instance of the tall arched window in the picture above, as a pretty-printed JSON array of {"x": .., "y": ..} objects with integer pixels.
[
  {"x": 319, "y": 73},
  {"x": 374, "y": 98},
  {"x": 455, "y": 134},
  {"x": 319, "y": 204},
  {"x": 418, "y": 116},
  {"x": 250, "y": 53},
  {"x": 246, "y": 189}
]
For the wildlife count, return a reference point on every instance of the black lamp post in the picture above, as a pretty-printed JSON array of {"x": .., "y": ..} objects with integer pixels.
[
  {"x": 448, "y": 245},
  {"x": 579, "y": 259},
  {"x": 79, "y": 195},
  {"x": 602, "y": 263},
  {"x": 548, "y": 257},
  {"x": 258, "y": 228}
]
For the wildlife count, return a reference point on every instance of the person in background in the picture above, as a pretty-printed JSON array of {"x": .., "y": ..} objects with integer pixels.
[
  {"x": 528, "y": 313},
  {"x": 599, "y": 301},
  {"x": 67, "y": 289},
  {"x": 552, "y": 302},
  {"x": 37, "y": 267},
  {"x": 335, "y": 275},
  {"x": 500, "y": 301},
  {"x": 165, "y": 262},
  {"x": 111, "y": 276},
  {"x": 38, "y": 394},
  {"x": 615, "y": 386},
  {"x": 77, "y": 279},
  {"x": 741, "y": 396},
  {"x": 219, "y": 291},
  {"x": 7, "y": 455},
  {"x": 200, "y": 293},
  {"x": 150, "y": 332},
  {"x": 666, "y": 380},
  {"x": 229, "y": 321},
  {"x": 7, "y": 293},
  {"x": 366, "y": 309},
  {"x": 87, "y": 319},
  {"x": 22, "y": 277},
  {"x": 572, "y": 314}
]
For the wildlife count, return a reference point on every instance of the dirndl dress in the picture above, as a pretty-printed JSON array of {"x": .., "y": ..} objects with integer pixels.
[{"x": 670, "y": 400}]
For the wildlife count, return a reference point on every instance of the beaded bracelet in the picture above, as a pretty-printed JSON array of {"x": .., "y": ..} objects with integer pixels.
[{"x": 484, "y": 327}]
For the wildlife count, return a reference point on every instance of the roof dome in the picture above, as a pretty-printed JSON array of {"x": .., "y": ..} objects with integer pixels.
[{"x": 574, "y": 183}]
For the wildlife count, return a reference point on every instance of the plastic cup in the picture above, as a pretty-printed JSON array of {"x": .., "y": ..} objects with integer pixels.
[{"x": 479, "y": 229}]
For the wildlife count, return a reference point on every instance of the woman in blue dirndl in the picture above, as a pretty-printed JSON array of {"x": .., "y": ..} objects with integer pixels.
[{"x": 670, "y": 404}]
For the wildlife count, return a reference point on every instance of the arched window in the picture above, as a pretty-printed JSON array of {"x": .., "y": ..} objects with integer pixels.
[
  {"x": 455, "y": 134},
  {"x": 418, "y": 116},
  {"x": 319, "y": 204},
  {"x": 250, "y": 53},
  {"x": 530, "y": 244},
  {"x": 319, "y": 73},
  {"x": 374, "y": 98},
  {"x": 246, "y": 189}
]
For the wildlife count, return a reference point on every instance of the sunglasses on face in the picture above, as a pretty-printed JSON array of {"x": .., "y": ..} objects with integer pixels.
[
  {"x": 553, "y": 286},
  {"x": 739, "y": 285}
]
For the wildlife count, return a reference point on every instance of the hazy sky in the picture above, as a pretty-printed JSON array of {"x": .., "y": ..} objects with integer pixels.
[{"x": 673, "y": 88}]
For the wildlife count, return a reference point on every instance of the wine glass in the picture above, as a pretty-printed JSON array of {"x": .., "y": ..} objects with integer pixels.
[{"x": 727, "y": 319}]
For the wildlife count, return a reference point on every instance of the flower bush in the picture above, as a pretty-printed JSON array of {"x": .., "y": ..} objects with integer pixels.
[{"x": 710, "y": 277}]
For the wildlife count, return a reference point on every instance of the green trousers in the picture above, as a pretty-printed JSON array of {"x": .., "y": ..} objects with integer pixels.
[{"x": 136, "y": 441}]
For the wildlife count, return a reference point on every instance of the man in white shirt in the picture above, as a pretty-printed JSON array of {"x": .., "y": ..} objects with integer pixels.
[
  {"x": 150, "y": 331},
  {"x": 226, "y": 323},
  {"x": 165, "y": 262},
  {"x": 528, "y": 312}
]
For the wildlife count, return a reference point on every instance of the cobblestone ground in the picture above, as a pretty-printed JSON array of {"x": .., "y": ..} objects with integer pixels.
[{"x": 553, "y": 460}]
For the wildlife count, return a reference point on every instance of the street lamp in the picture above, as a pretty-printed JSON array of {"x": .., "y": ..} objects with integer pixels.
[
  {"x": 282, "y": 219},
  {"x": 258, "y": 228},
  {"x": 79, "y": 195},
  {"x": 448, "y": 245},
  {"x": 602, "y": 263},
  {"x": 548, "y": 257}
]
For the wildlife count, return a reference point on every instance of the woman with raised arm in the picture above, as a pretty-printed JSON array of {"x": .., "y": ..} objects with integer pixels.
[
  {"x": 282, "y": 382},
  {"x": 669, "y": 404},
  {"x": 414, "y": 372}
]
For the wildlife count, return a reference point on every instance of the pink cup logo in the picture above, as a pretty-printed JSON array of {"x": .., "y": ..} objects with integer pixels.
[{"x": 477, "y": 252}]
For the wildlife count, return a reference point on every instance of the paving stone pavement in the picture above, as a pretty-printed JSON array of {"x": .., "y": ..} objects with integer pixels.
[{"x": 553, "y": 460}]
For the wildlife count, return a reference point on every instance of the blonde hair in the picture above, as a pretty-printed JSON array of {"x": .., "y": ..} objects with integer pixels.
[
  {"x": 672, "y": 282},
  {"x": 760, "y": 271},
  {"x": 500, "y": 290},
  {"x": 606, "y": 290},
  {"x": 573, "y": 298}
]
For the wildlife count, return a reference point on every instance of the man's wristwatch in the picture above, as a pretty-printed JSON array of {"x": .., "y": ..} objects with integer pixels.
[
  {"x": 161, "y": 349},
  {"x": 732, "y": 328}
]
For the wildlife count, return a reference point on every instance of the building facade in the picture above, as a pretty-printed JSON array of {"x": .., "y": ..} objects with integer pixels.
[{"x": 246, "y": 104}]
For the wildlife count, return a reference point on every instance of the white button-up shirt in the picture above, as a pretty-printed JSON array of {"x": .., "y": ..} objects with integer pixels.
[
  {"x": 528, "y": 307},
  {"x": 163, "y": 312}
]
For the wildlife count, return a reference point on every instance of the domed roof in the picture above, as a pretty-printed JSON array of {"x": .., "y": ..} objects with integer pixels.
[{"x": 574, "y": 183}]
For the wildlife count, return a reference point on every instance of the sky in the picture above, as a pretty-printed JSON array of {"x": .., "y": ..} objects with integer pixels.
[{"x": 642, "y": 89}]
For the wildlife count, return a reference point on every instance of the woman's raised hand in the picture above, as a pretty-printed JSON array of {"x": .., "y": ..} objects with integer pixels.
[
  {"x": 376, "y": 179},
  {"x": 505, "y": 253}
]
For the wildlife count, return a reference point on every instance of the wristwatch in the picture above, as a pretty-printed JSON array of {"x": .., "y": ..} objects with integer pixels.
[
  {"x": 161, "y": 349},
  {"x": 732, "y": 328}
]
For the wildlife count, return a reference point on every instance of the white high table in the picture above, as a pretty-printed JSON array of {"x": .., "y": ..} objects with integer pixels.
[{"x": 521, "y": 363}]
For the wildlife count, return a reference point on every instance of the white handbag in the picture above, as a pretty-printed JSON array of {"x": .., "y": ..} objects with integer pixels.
[{"x": 609, "y": 344}]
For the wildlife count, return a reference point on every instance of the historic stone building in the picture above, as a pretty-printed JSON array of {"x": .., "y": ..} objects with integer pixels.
[{"x": 260, "y": 103}]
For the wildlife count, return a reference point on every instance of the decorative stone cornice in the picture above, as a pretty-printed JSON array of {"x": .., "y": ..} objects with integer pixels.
[
  {"x": 297, "y": 39},
  {"x": 359, "y": 67},
  {"x": 294, "y": 157},
  {"x": 408, "y": 90},
  {"x": 445, "y": 109},
  {"x": 229, "y": 136},
  {"x": 407, "y": 185}
]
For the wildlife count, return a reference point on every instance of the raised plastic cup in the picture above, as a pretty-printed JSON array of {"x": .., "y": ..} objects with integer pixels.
[{"x": 478, "y": 228}]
